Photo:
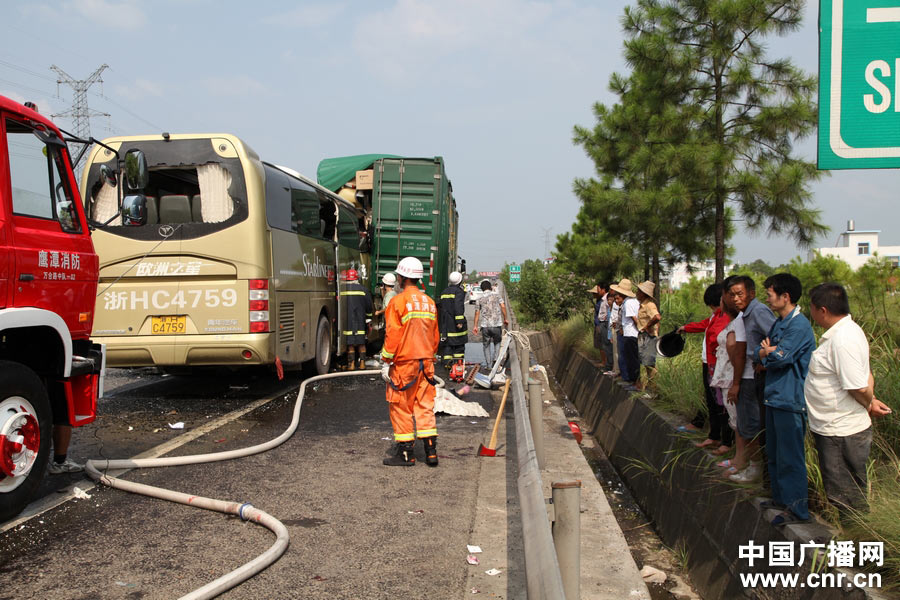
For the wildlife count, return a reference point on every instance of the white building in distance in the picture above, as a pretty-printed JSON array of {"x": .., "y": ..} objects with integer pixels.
[
  {"x": 680, "y": 273},
  {"x": 856, "y": 247}
]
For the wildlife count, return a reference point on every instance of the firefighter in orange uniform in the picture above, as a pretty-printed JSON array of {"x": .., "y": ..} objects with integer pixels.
[{"x": 410, "y": 342}]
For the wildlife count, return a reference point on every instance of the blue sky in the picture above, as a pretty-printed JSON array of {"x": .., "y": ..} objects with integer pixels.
[{"x": 494, "y": 86}]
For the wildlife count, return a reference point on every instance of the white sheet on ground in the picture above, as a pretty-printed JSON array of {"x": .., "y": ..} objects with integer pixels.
[{"x": 447, "y": 403}]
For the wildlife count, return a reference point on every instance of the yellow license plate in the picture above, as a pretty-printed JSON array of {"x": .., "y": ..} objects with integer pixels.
[{"x": 168, "y": 325}]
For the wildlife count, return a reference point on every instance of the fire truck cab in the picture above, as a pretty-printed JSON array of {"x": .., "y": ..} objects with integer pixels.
[{"x": 50, "y": 371}]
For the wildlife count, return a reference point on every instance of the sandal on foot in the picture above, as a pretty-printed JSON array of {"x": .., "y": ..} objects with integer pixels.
[
  {"x": 767, "y": 504},
  {"x": 721, "y": 450},
  {"x": 787, "y": 518},
  {"x": 705, "y": 443},
  {"x": 725, "y": 464}
]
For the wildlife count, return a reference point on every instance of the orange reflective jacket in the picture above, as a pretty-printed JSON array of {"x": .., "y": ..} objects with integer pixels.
[{"x": 411, "y": 327}]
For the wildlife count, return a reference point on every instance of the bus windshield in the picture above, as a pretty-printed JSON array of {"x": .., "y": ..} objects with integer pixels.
[{"x": 196, "y": 185}]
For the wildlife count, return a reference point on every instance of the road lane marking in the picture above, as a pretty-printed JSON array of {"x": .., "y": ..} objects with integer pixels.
[{"x": 54, "y": 499}]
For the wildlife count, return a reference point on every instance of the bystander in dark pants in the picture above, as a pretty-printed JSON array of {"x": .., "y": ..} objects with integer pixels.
[
  {"x": 842, "y": 459},
  {"x": 632, "y": 359},
  {"x": 620, "y": 355},
  {"x": 719, "y": 430},
  {"x": 787, "y": 459},
  {"x": 760, "y": 379}
]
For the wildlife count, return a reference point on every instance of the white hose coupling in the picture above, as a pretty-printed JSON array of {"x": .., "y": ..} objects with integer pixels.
[{"x": 244, "y": 506}]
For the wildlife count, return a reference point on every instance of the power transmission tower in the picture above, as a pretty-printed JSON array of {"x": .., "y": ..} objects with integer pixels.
[
  {"x": 79, "y": 113},
  {"x": 547, "y": 231}
]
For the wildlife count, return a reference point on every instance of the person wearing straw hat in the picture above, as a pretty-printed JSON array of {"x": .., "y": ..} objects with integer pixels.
[
  {"x": 601, "y": 324},
  {"x": 648, "y": 318},
  {"x": 629, "y": 358}
]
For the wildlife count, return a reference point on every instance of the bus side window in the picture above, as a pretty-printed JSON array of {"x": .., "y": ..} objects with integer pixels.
[
  {"x": 348, "y": 233},
  {"x": 327, "y": 217},
  {"x": 304, "y": 209}
]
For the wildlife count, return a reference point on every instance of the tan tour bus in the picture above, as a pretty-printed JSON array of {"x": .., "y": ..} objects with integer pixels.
[{"x": 209, "y": 256}]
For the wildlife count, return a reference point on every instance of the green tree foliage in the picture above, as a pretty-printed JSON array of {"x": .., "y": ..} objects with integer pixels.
[
  {"x": 757, "y": 266},
  {"x": 533, "y": 292},
  {"x": 745, "y": 109}
]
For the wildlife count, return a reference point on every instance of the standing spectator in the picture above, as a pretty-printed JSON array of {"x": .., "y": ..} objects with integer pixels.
[
  {"x": 612, "y": 324},
  {"x": 452, "y": 321},
  {"x": 647, "y": 321},
  {"x": 720, "y": 434},
  {"x": 729, "y": 351},
  {"x": 491, "y": 315},
  {"x": 757, "y": 321},
  {"x": 785, "y": 353},
  {"x": 601, "y": 324},
  {"x": 629, "y": 358},
  {"x": 840, "y": 398},
  {"x": 740, "y": 291}
]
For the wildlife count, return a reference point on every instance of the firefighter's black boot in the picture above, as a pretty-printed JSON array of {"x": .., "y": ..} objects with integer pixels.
[
  {"x": 404, "y": 456},
  {"x": 431, "y": 458}
]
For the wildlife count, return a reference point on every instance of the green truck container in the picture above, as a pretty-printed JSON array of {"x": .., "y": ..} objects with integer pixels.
[{"x": 411, "y": 208}]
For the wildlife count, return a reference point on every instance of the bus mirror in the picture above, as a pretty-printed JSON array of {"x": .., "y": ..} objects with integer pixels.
[
  {"x": 462, "y": 266},
  {"x": 137, "y": 175},
  {"x": 108, "y": 175},
  {"x": 134, "y": 210}
]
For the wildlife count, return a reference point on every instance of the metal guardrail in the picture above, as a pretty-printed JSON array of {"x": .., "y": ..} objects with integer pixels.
[{"x": 542, "y": 572}]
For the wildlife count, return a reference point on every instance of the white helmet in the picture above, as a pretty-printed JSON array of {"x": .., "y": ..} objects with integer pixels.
[
  {"x": 410, "y": 267},
  {"x": 389, "y": 279},
  {"x": 455, "y": 277}
]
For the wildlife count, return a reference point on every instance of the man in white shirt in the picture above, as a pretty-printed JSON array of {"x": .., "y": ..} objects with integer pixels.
[
  {"x": 628, "y": 311},
  {"x": 840, "y": 398}
]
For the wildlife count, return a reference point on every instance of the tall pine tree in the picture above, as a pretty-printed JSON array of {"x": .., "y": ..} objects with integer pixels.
[{"x": 747, "y": 109}]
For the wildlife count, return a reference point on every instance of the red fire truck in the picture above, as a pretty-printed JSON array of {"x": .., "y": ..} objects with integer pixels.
[{"x": 50, "y": 372}]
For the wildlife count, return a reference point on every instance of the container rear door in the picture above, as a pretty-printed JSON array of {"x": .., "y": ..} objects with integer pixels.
[{"x": 406, "y": 211}]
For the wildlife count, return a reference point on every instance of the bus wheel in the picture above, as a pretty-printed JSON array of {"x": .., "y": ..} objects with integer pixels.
[
  {"x": 25, "y": 428},
  {"x": 323, "y": 346}
]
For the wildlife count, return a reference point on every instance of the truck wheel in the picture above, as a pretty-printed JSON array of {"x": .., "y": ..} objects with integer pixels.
[
  {"x": 323, "y": 346},
  {"x": 25, "y": 428}
]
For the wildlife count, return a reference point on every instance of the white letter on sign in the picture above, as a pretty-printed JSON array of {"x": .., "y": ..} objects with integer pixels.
[{"x": 878, "y": 86}]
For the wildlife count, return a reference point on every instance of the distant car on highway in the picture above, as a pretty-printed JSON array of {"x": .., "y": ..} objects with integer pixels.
[{"x": 474, "y": 294}]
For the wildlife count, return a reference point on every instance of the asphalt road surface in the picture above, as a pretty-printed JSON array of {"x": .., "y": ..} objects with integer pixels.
[{"x": 358, "y": 529}]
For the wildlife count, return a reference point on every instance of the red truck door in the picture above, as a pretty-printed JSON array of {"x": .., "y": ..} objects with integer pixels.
[{"x": 54, "y": 263}]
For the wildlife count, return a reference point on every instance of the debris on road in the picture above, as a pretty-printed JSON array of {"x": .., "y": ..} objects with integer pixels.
[
  {"x": 178, "y": 425},
  {"x": 80, "y": 493},
  {"x": 493, "y": 571},
  {"x": 653, "y": 575},
  {"x": 473, "y": 549},
  {"x": 472, "y": 559}
]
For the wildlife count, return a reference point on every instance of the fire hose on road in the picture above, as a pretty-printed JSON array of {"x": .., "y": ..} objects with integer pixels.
[{"x": 97, "y": 469}]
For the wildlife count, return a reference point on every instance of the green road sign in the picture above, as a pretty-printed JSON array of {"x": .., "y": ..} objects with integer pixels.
[
  {"x": 518, "y": 268},
  {"x": 514, "y": 277},
  {"x": 859, "y": 84}
]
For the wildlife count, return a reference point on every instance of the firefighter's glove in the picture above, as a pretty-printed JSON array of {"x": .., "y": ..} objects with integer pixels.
[
  {"x": 459, "y": 326},
  {"x": 443, "y": 339},
  {"x": 386, "y": 373}
]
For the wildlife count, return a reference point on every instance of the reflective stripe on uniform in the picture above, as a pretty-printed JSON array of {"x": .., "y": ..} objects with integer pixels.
[
  {"x": 448, "y": 296},
  {"x": 353, "y": 293},
  {"x": 404, "y": 437},
  {"x": 458, "y": 317},
  {"x": 417, "y": 314},
  {"x": 387, "y": 354},
  {"x": 457, "y": 333},
  {"x": 425, "y": 433},
  {"x": 460, "y": 355},
  {"x": 354, "y": 332}
]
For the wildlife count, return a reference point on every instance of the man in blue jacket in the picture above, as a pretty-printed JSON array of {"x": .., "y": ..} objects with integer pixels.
[{"x": 785, "y": 354}]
